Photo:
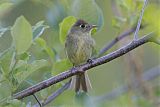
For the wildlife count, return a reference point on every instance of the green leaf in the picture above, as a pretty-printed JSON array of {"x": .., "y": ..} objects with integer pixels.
[
  {"x": 56, "y": 14},
  {"x": 41, "y": 42},
  {"x": 61, "y": 66},
  {"x": 87, "y": 10},
  {"x": 65, "y": 26},
  {"x": 4, "y": 7},
  {"x": 44, "y": 46},
  {"x": 6, "y": 60},
  {"x": 38, "y": 29},
  {"x": 23, "y": 56},
  {"x": 153, "y": 20},
  {"x": 5, "y": 90},
  {"x": 15, "y": 103},
  {"x": 24, "y": 70},
  {"x": 93, "y": 31},
  {"x": 22, "y": 34}
]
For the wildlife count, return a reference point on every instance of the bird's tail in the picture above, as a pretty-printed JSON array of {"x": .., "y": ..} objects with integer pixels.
[{"x": 81, "y": 82}]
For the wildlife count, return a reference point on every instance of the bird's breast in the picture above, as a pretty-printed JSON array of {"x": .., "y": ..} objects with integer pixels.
[{"x": 81, "y": 49}]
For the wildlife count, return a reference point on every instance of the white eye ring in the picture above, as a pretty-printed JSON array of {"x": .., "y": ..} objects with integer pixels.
[{"x": 82, "y": 25}]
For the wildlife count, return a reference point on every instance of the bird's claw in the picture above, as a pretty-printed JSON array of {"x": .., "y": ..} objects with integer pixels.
[{"x": 90, "y": 61}]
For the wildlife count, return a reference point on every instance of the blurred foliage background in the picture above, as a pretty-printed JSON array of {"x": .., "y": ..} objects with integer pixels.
[{"x": 31, "y": 50}]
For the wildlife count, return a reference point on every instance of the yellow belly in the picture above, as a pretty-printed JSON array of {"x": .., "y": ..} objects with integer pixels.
[{"x": 83, "y": 53}]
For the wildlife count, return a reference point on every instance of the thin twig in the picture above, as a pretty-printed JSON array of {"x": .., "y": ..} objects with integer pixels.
[
  {"x": 117, "y": 39},
  {"x": 81, "y": 69},
  {"x": 39, "y": 103},
  {"x": 140, "y": 20},
  {"x": 114, "y": 41},
  {"x": 148, "y": 75},
  {"x": 57, "y": 93}
]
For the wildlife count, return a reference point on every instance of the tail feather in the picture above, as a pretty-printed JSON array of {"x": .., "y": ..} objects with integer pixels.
[
  {"x": 81, "y": 82},
  {"x": 78, "y": 83}
]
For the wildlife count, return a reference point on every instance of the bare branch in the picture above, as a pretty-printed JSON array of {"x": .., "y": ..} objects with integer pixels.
[
  {"x": 81, "y": 69},
  {"x": 126, "y": 33},
  {"x": 117, "y": 39},
  {"x": 114, "y": 41},
  {"x": 140, "y": 20},
  {"x": 148, "y": 75},
  {"x": 55, "y": 94}
]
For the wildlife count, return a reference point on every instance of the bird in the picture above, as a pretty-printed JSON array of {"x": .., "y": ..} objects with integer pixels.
[{"x": 79, "y": 46}]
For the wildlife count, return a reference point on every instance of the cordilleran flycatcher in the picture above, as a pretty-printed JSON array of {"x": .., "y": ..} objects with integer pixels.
[{"x": 79, "y": 46}]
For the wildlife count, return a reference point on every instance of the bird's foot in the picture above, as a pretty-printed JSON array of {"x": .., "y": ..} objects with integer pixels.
[{"x": 90, "y": 61}]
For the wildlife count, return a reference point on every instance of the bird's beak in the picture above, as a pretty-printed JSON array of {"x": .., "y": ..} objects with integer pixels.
[{"x": 94, "y": 26}]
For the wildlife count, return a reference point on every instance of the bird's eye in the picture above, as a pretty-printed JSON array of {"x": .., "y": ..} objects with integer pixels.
[{"x": 82, "y": 25}]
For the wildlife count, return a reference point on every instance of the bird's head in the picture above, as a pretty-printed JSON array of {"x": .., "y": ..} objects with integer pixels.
[{"x": 82, "y": 26}]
